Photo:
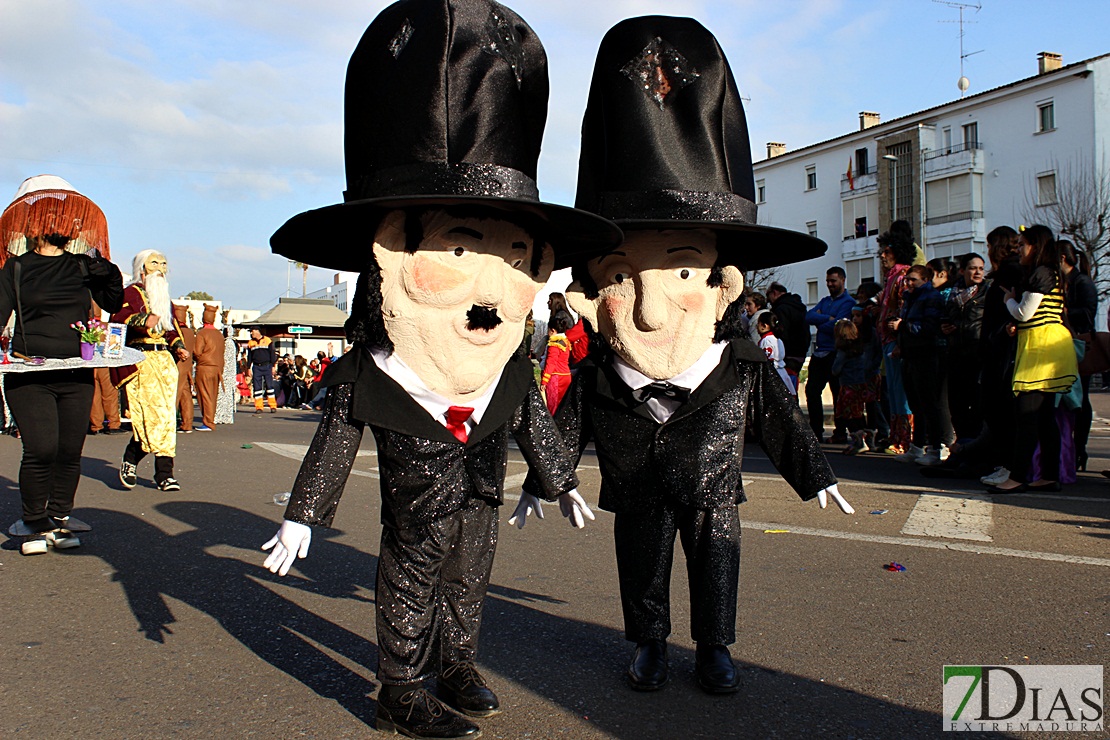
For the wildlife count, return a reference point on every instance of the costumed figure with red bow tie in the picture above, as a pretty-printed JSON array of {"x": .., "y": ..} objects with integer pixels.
[{"x": 446, "y": 105}]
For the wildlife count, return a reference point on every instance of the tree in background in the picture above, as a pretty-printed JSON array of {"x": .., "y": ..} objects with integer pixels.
[
  {"x": 1073, "y": 200},
  {"x": 303, "y": 267},
  {"x": 199, "y": 295}
]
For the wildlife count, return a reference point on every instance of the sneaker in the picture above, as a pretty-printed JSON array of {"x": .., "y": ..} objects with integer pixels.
[
  {"x": 911, "y": 454},
  {"x": 128, "y": 475},
  {"x": 62, "y": 539},
  {"x": 184, "y": 431},
  {"x": 858, "y": 444},
  {"x": 258, "y": 412},
  {"x": 169, "y": 484},
  {"x": 929, "y": 457},
  {"x": 998, "y": 476},
  {"x": 204, "y": 428},
  {"x": 893, "y": 450},
  {"x": 34, "y": 545},
  {"x": 273, "y": 410}
]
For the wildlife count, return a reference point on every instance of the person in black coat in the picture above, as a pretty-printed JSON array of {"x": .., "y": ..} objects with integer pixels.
[
  {"x": 672, "y": 389},
  {"x": 792, "y": 329},
  {"x": 1081, "y": 304}
]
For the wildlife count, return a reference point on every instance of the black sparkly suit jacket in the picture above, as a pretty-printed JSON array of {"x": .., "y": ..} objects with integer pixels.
[
  {"x": 426, "y": 473},
  {"x": 695, "y": 457}
]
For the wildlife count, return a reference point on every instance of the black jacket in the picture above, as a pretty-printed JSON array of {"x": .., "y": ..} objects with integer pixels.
[
  {"x": 696, "y": 456},
  {"x": 1081, "y": 298},
  {"x": 792, "y": 329},
  {"x": 968, "y": 319},
  {"x": 426, "y": 473}
]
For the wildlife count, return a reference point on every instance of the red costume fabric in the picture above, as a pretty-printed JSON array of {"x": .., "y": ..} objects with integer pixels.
[{"x": 556, "y": 370}]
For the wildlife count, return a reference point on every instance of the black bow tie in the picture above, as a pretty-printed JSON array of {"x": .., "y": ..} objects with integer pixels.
[{"x": 661, "y": 390}]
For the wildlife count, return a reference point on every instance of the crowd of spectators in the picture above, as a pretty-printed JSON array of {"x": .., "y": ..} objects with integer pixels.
[{"x": 968, "y": 367}]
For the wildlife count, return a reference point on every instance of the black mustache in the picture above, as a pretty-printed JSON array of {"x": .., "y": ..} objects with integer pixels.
[{"x": 480, "y": 317}]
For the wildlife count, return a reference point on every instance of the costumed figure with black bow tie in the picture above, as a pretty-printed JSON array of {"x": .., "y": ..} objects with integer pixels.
[
  {"x": 445, "y": 110},
  {"x": 672, "y": 386}
]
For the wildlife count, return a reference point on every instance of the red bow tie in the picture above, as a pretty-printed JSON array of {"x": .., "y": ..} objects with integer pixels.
[{"x": 456, "y": 421}]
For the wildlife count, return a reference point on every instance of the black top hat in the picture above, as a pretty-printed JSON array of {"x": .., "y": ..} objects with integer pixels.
[
  {"x": 446, "y": 103},
  {"x": 665, "y": 143}
]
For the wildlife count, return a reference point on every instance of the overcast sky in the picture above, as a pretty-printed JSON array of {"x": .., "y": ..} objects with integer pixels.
[{"x": 200, "y": 126}]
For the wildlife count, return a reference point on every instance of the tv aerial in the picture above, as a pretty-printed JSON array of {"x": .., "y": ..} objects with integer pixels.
[{"x": 963, "y": 83}]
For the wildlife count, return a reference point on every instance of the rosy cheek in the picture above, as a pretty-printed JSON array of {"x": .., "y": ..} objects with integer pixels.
[
  {"x": 522, "y": 297},
  {"x": 432, "y": 277},
  {"x": 614, "y": 307},
  {"x": 693, "y": 302}
]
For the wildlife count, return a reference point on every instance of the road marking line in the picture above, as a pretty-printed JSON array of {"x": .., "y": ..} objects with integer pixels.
[
  {"x": 932, "y": 545},
  {"x": 950, "y": 515}
]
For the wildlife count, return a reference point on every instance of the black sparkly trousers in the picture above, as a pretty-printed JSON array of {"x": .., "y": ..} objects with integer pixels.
[
  {"x": 645, "y": 550},
  {"x": 432, "y": 580}
]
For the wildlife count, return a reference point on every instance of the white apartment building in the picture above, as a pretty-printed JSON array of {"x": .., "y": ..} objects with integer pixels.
[
  {"x": 954, "y": 171},
  {"x": 341, "y": 292}
]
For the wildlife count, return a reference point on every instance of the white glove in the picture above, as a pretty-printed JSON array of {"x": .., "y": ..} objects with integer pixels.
[
  {"x": 529, "y": 504},
  {"x": 832, "y": 491},
  {"x": 290, "y": 542},
  {"x": 575, "y": 509}
]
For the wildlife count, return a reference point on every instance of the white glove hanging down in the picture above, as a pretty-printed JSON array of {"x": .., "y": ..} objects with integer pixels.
[
  {"x": 290, "y": 542},
  {"x": 575, "y": 509},
  {"x": 832, "y": 491},
  {"x": 529, "y": 504}
]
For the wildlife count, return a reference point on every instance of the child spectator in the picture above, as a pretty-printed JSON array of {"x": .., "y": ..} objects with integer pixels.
[
  {"x": 858, "y": 354},
  {"x": 556, "y": 367},
  {"x": 765, "y": 324}
]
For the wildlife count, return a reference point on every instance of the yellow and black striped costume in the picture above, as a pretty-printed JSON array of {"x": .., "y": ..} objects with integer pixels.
[{"x": 1046, "y": 358}]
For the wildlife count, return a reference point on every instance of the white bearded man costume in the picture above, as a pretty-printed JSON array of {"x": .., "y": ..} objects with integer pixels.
[
  {"x": 152, "y": 384},
  {"x": 461, "y": 244}
]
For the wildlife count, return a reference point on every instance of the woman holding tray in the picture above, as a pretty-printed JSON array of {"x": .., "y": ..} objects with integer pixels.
[{"x": 49, "y": 287}]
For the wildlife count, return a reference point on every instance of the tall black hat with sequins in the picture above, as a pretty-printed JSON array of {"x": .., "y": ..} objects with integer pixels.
[
  {"x": 665, "y": 143},
  {"x": 446, "y": 103}
]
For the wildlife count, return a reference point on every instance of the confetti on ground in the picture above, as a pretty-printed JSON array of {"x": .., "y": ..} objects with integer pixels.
[
  {"x": 775, "y": 531},
  {"x": 895, "y": 567},
  {"x": 880, "y": 511},
  {"x": 248, "y": 446}
]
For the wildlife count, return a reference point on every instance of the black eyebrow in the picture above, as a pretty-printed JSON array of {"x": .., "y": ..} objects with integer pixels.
[
  {"x": 520, "y": 245},
  {"x": 467, "y": 232},
  {"x": 679, "y": 249},
  {"x": 611, "y": 254}
]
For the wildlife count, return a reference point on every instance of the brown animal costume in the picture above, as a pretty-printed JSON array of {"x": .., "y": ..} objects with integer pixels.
[
  {"x": 445, "y": 184},
  {"x": 185, "y": 369},
  {"x": 209, "y": 353}
]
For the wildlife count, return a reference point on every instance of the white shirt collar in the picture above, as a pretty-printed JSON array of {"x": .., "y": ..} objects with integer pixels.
[
  {"x": 432, "y": 402},
  {"x": 690, "y": 378}
]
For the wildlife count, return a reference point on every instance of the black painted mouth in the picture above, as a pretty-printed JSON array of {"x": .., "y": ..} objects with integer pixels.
[{"x": 480, "y": 317}]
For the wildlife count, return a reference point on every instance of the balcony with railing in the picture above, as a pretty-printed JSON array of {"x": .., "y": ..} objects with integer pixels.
[
  {"x": 953, "y": 226},
  {"x": 866, "y": 181},
  {"x": 856, "y": 246},
  {"x": 966, "y": 157}
]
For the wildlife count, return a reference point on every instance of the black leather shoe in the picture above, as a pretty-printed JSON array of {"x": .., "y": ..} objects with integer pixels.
[
  {"x": 462, "y": 687},
  {"x": 716, "y": 672},
  {"x": 412, "y": 711},
  {"x": 648, "y": 671}
]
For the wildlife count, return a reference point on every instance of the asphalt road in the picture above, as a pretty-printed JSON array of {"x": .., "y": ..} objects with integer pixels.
[{"x": 164, "y": 623}]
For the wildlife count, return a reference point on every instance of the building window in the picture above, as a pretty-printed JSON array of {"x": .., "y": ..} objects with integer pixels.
[
  {"x": 812, "y": 295},
  {"x": 760, "y": 191},
  {"x": 1046, "y": 189},
  {"x": 861, "y": 161},
  {"x": 858, "y": 272},
  {"x": 946, "y": 134},
  {"x": 971, "y": 136},
  {"x": 811, "y": 177},
  {"x": 1046, "y": 117},
  {"x": 811, "y": 228}
]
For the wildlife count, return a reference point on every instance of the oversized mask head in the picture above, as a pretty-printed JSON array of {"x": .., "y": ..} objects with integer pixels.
[
  {"x": 455, "y": 304},
  {"x": 659, "y": 298},
  {"x": 155, "y": 263}
]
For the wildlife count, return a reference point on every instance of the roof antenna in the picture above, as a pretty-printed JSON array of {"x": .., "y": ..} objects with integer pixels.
[{"x": 963, "y": 83}]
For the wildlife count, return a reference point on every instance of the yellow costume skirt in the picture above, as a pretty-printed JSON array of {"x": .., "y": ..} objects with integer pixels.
[
  {"x": 1045, "y": 359},
  {"x": 152, "y": 399}
]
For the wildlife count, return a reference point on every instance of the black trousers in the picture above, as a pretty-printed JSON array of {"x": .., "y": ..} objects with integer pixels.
[
  {"x": 820, "y": 375},
  {"x": 163, "y": 466},
  {"x": 965, "y": 401},
  {"x": 1036, "y": 422},
  {"x": 432, "y": 581},
  {"x": 922, "y": 380},
  {"x": 645, "y": 550},
  {"x": 51, "y": 409}
]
